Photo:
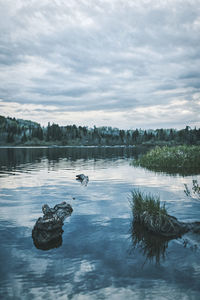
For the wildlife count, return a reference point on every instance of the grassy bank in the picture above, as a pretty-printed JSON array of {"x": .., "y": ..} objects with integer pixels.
[{"x": 178, "y": 159}]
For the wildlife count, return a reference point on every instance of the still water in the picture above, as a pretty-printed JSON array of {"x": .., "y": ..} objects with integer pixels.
[{"x": 100, "y": 256}]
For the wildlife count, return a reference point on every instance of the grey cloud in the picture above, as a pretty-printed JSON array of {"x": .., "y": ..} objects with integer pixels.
[
  {"x": 190, "y": 75},
  {"x": 167, "y": 86},
  {"x": 56, "y": 92},
  {"x": 9, "y": 57},
  {"x": 99, "y": 55}
]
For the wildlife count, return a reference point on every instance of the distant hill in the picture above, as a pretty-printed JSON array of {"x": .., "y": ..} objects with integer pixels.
[{"x": 17, "y": 131}]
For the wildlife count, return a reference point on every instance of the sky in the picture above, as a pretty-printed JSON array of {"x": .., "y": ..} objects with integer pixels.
[{"x": 120, "y": 63}]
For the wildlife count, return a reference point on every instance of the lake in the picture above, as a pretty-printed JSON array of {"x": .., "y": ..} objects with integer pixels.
[{"x": 99, "y": 256}]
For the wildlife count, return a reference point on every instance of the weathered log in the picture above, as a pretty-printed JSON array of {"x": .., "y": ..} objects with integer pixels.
[
  {"x": 166, "y": 225},
  {"x": 47, "y": 232}
]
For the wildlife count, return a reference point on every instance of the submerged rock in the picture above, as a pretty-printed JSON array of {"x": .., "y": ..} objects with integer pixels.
[
  {"x": 47, "y": 232},
  {"x": 82, "y": 178}
]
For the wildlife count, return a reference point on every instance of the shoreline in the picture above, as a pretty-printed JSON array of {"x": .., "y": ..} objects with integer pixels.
[{"x": 70, "y": 146}]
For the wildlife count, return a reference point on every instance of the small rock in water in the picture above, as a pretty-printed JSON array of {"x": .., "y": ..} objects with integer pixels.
[{"x": 82, "y": 178}]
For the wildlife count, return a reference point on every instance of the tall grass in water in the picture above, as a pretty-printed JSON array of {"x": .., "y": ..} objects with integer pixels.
[
  {"x": 148, "y": 211},
  {"x": 146, "y": 204},
  {"x": 150, "y": 220},
  {"x": 181, "y": 159}
]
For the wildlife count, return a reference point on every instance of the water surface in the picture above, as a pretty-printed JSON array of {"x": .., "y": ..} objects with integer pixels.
[{"x": 99, "y": 257}]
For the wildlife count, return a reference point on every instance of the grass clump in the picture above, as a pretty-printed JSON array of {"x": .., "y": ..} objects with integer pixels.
[
  {"x": 178, "y": 159},
  {"x": 146, "y": 204},
  {"x": 148, "y": 211}
]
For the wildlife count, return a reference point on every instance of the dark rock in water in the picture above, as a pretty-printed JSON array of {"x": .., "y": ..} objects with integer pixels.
[
  {"x": 82, "y": 178},
  {"x": 47, "y": 232},
  {"x": 166, "y": 225}
]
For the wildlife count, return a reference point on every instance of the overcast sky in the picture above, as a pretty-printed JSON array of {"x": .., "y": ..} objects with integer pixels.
[{"x": 120, "y": 63}]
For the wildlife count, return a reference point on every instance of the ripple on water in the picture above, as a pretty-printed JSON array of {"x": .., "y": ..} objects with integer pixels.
[{"x": 97, "y": 258}]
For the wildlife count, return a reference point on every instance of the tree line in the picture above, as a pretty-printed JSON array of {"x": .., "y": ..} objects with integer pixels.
[{"x": 17, "y": 131}]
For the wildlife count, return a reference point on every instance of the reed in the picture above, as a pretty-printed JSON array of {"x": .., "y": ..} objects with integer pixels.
[
  {"x": 146, "y": 204},
  {"x": 195, "y": 191}
]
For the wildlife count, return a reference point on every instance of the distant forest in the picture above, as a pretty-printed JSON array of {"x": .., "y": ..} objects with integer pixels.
[{"x": 22, "y": 132}]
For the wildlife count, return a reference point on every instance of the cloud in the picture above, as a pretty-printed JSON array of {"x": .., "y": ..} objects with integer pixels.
[{"x": 100, "y": 57}]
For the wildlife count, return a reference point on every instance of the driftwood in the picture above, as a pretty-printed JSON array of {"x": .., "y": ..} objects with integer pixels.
[
  {"x": 47, "y": 232},
  {"x": 166, "y": 225}
]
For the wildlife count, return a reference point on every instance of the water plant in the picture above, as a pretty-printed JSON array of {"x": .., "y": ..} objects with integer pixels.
[
  {"x": 148, "y": 203},
  {"x": 178, "y": 159},
  {"x": 195, "y": 189}
]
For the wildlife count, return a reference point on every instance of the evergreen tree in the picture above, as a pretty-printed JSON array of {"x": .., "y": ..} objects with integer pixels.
[{"x": 24, "y": 138}]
